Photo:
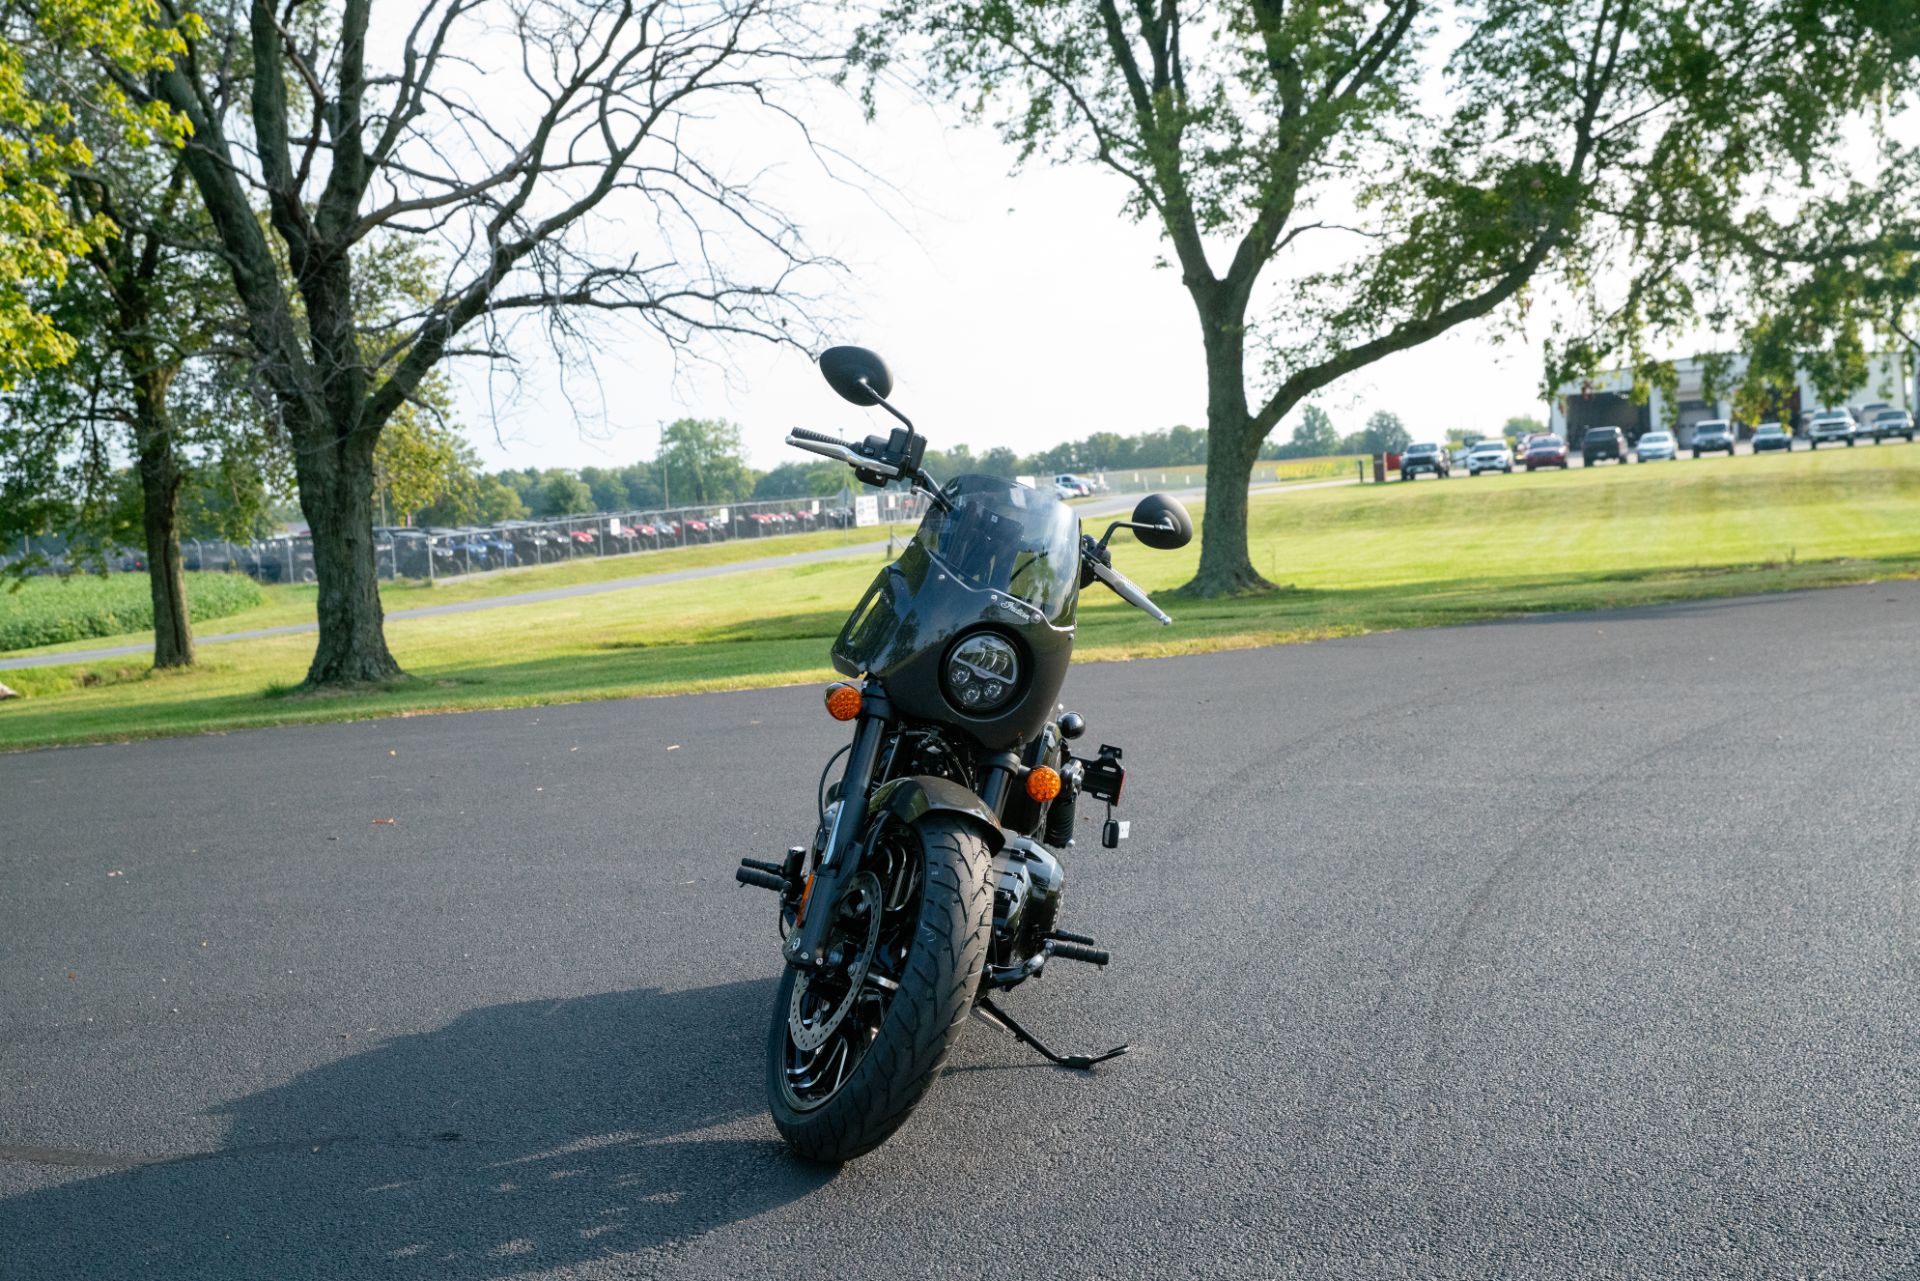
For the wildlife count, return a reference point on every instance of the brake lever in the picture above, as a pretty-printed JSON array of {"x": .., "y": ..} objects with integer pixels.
[
  {"x": 1128, "y": 592},
  {"x": 838, "y": 450}
]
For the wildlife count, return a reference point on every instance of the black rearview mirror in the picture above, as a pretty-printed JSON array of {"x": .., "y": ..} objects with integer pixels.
[
  {"x": 857, "y": 374},
  {"x": 1162, "y": 523}
]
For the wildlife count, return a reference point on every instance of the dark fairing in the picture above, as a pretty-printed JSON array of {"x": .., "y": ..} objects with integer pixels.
[{"x": 1006, "y": 559}]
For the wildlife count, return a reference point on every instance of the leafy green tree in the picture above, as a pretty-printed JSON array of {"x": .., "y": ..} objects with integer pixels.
[
  {"x": 998, "y": 461},
  {"x": 493, "y": 502},
  {"x": 563, "y": 494},
  {"x": 818, "y": 480},
  {"x": 608, "y": 486},
  {"x": 106, "y": 324},
  {"x": 44, "y": 143},
  {"x": 474, "y": 500},
  {"x": 1384, "y": 434},
  {"x": 418, "y": 462},
  {"x": 347, "y": 153},
  {"x": 1315, "y": 434},
  {"x": 705, "y": 462},
  {"x": 1805, "y": 265},
  {"x": 1335, "y": 184},
  {"x": 642, "y": 482}
]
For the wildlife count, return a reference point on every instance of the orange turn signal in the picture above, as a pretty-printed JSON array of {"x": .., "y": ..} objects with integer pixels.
[
  {"x": 843, "y": 701},
  {"x": 1043, "y": 784}
]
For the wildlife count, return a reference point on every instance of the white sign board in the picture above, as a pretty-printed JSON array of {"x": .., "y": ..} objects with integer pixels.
[
  {"x": 866, "y": 509},
  {"x": 613, "y": 526}
]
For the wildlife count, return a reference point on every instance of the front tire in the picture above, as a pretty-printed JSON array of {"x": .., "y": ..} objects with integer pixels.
[{"x": 891, "y": 1056}]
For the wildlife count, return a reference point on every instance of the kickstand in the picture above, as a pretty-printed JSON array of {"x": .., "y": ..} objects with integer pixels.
[{"x": 1007, "y": 1021}]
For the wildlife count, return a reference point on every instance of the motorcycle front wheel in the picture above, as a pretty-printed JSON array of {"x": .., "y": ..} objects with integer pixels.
[{"x": 856, "y": 1044}]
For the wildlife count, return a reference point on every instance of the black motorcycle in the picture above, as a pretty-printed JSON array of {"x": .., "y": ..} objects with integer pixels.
[{"x": 929, "y": 885}]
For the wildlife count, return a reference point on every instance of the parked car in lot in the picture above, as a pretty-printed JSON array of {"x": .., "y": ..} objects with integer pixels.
[
  {"x": 1714, "y": 435},
  {"x": 1430, "y": 459},
  {"x": 1543, "y": 450},
  {"x": 1076, "y": 487},
  {"x": 1829, "y": 427},
  {"x": 1657, "y": 446},
  {"x": 1489, "y": 455},
  {"x": 1888, "y": 423},
  {"x": 1602, "y": 443},
  {"x": 1771, "y": 438}
]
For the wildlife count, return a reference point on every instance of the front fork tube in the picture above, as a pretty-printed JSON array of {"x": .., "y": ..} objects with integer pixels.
[
  {"x": 1001, "y": 771},
  {"x": 841, "y": 859}
]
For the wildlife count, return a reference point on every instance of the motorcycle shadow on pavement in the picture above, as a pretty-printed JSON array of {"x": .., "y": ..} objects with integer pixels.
[{"x": 515, "y": 1139}]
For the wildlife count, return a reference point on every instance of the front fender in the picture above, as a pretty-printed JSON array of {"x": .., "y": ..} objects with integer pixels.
[{"x": 909, "y": 799}]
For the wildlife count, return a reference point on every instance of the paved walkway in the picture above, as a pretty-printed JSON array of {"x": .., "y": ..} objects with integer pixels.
[{"x": 1093, "y": 510}]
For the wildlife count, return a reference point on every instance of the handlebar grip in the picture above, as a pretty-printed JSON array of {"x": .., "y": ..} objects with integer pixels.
[{"x": 822, "y": 437}]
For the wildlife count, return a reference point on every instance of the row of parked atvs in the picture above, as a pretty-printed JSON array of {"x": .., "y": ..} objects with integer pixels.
[
  {"x": 406, "y": 553},
  {"x": 401, "y": 552}
]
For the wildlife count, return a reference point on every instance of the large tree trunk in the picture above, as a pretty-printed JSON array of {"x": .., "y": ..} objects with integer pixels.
[
  {"x": 336, "y": 494},
  {"x": 1232, "y": 446},
  {"x": 160, "y": 501},
  {"x": 157, "y": 457}
]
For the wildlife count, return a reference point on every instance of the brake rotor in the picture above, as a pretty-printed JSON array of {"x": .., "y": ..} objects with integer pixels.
[{"x": 811, "y": 1035}]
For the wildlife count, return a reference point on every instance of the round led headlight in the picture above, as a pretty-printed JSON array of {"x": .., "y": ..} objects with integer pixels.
[{"x": 982, "y": 673}]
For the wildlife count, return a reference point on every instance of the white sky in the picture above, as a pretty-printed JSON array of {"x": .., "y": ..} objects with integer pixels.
[{"x": 1014, "y": 310}]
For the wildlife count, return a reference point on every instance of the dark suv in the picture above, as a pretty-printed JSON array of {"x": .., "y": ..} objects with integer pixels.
[
  {"x": 1603, "y": 442},
  {"x": 1419, "y": 458},
  {"x": 1888, "y": 423}
]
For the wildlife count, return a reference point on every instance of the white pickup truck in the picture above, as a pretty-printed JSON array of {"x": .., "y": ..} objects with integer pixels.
[{"x": 1828, "y": 427}]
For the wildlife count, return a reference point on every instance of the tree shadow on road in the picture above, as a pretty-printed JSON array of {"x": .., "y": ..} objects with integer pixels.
[{"x": 517, "y": 1138}]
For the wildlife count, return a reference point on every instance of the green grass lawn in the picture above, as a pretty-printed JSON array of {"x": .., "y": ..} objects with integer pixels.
[{"x": 1352, "y": 560}]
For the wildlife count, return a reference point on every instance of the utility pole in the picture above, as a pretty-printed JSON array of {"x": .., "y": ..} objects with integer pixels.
[{"x": 660, "y": 455}]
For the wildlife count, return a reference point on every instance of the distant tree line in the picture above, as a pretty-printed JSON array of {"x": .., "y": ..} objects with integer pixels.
[
  {"x": 703, "y": 462},
  {"x": 427, "y": 474}
]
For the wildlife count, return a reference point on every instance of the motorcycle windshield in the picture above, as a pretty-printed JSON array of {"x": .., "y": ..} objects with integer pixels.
[
  {"x": 1007, "y": 538},
  {"x": 1000, "y": 540}
]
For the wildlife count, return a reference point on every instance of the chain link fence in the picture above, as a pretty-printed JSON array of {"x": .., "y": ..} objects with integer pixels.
[{"x": 435, "y": 553}]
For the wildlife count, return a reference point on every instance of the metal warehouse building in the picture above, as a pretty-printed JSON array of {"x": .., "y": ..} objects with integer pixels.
[{"x": 1607, "y": 400}]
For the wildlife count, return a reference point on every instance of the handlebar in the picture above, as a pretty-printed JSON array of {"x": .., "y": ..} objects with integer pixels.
[
  {"x": 1128, "y": 591},
  {"x": 839, "y": 450}
]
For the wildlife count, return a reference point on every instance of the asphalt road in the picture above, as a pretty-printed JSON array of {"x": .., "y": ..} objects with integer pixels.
[
  {"x": 1580, "y": 946},
  {"x": 1097, "y": 508}
]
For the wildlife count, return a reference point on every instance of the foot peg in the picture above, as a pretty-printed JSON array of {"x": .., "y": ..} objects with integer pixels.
[
  {"x": 1082, "y": 1062},
  {"x": 759, "y": 876},
  {"x": 771, "y": 876},
  {"x": 782, "y": 876}
]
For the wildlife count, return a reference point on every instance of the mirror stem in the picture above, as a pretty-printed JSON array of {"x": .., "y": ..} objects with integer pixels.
[
  {"x": 882, "y": 402},
  {"x": 1167, "y": 525}
]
